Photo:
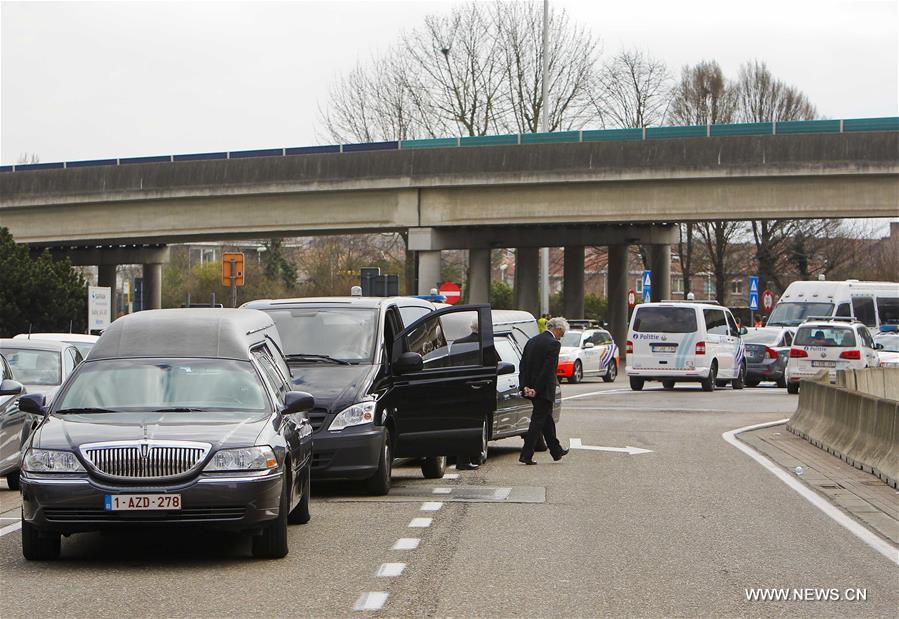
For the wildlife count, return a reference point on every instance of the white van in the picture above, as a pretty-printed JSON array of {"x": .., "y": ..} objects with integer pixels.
[
  {"x": 872, "y": 303},
  {"x": 685, "y": 342}
]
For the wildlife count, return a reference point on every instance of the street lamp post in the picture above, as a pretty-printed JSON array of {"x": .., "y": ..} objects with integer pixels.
[{"x": 544, "y": 251}]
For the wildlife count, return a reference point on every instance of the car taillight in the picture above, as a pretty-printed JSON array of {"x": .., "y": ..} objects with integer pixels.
[
  {"x": 772, "y": 354},
  {"x": 630, "y": 347},
  {"x": 851, "y": 354},
  {"x": 797, "y": 353},
  {"x": 700, "y": 348}
]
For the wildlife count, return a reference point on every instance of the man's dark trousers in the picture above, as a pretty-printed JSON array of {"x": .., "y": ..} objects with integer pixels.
[{"x": 542, "y": 422}]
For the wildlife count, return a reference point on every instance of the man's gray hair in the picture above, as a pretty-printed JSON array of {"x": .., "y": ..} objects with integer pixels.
[{"x": 558, "y": 323}]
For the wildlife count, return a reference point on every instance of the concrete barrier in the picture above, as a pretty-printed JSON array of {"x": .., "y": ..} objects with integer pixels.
[{"x": 855, "y": 420}]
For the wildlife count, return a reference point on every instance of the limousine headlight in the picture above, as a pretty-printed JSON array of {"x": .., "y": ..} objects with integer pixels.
[
  {"x": 355, "y": 415},
  {"x": 51, "y": 461},
  {"x": 243, "y": 459}
]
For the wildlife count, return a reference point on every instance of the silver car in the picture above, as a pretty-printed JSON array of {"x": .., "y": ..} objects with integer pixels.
[
  {"x": 12, "y": 424},
  {"x": 41, "y": 365}
]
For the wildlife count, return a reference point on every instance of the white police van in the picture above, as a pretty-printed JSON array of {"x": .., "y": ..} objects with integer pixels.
[
  {"x": 829, "y": 344},
  {"x": 692, "y": 341}
]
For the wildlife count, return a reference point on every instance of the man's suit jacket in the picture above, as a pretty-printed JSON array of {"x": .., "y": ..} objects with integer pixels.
[{"x": 538, "y": 365}]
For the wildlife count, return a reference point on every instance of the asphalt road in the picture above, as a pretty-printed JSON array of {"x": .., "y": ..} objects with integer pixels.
[{"x": 680, "y": 531}]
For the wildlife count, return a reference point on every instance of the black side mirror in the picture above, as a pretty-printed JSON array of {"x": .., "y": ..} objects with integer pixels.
[
  {"x": 11, "y": 387},
  {"x": 297, "y": 402},
  {"x": 408, "y": 362},
  {"x": 504, "y": 367},
  {"x": 33, "y": 403}
]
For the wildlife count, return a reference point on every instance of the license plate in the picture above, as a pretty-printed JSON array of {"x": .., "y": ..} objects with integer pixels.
[
  {"x": 142, "y": 502},
  {"x": 664, "y": 348},
  {"x": 824, "y": 364}
]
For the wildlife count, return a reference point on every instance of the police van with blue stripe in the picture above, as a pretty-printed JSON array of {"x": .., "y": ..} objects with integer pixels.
[{"x": 691, "y": 341}]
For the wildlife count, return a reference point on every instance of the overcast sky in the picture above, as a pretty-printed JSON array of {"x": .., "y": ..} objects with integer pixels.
[{"x": 83, "y": 80}]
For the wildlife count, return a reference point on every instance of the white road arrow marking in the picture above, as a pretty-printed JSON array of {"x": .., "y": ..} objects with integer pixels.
[{"x": 575, "y": 443}]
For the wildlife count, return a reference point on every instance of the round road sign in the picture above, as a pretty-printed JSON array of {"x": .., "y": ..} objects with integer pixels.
[
  {"x": 767, "y": 300},
  {"x": 631, "y": 298},
  {"x": 451, "y": 291}
]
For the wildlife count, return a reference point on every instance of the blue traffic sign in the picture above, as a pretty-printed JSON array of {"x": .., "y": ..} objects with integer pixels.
[
  {"x": 753, "y": 292},
  {"x": 647, "y": 286}
]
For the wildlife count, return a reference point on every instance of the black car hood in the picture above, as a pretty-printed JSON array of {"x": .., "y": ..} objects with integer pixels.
[
  {"x": 219, "y": 429},
  {"x": 334, "y": 386}
]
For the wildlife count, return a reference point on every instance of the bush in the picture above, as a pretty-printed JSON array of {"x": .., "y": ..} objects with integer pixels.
[{"x": 501, "y": 296}]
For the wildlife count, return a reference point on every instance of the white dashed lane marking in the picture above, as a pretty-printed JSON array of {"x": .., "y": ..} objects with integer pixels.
[
  {"x": 10, "y": 528},
  {"x": 388, "y": 570},
  {"x": 420, "y": 523},
  {"x": 442, "y": 490},
  {"x": 406, "y": 543},
  {"x": 372, "y": 600},
  {"x": 450, "y": 476},
  {"x": 431, "y": 506}
]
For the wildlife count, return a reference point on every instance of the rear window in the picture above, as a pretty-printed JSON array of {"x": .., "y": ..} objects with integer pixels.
[
  {"x": 825, "y": 336},
  {"x": 761, "y": 337},
  {"x": 665, "y": 320},
  {"x": 888, "y": 309}
]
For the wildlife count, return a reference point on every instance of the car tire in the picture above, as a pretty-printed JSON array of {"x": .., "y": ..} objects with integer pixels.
[
  {"x": 481, "y": 458},
  {"x": 710, "y": 382},
  {"x": 792, "y": 388},
  {"x": 379, "y": 483},
  {"x": 434, "y": 467},
  {"x": 612, "y": 374},
  {"x": 272, "y": 542},
  {"x": 752, "y": 382},
  {"x": 37, "y": 546},
  {"x": 740, "y": 381},
  {"x": 300, "y": 513},
  {"x": 577, "y": 374},
  {"x": 637, "y": 383},
  {"x": 668, "y": 384},
  {"x": 12, "y": 480},
  {"x": 782, "y": 382}
]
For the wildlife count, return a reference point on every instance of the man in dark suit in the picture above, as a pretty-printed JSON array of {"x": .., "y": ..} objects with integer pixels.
[{"x": 537, "y": 381}]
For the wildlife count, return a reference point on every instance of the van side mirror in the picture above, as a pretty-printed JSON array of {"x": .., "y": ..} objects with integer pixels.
[
  {"x": 743, "y": 330},
  {"x": 408, "y": 362},
  {"x": 504, "y": 367},
  {"x": 297, "y": 402},
  {"x": 33, "y": 403},
  {"x": 589, "y": 345},
  {"x": 11, "y": 387}
]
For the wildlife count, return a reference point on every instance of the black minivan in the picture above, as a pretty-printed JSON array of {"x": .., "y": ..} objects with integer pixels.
[{"x": 392, "y": 377}]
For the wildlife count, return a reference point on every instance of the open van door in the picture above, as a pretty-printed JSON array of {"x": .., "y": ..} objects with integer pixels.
[{"x": 443, "y": 383}]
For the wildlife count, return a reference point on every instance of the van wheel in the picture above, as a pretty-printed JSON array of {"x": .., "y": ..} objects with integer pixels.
[
  {"x": 740, "y": 381},
  {"x": 379, "y": 483},
  {"x": 612, "y": 374},
  {"x": 709, "y": 383},
  {"x": 637, "y": 383},
  {"x": 577, "y": 375},
  {"x": 434, "y": 468},
  {"x": 668, "y": 384},
  {"x": 37, "y": 546},
  {"x": 272, "y": 543},
  {"x": 12, "y": 480},
  {"x": 300, "y": 513},
  {"x": 793, "y": 388}
]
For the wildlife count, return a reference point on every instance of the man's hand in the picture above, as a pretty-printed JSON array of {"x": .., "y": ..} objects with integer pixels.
[{"x": 529, "y": 392}]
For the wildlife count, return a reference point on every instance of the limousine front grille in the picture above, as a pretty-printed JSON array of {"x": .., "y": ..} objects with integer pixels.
[
  {"x": 316, "y": 418},
  {"x": 146, "y": 459},
  {"x": 77, "y": 514}
]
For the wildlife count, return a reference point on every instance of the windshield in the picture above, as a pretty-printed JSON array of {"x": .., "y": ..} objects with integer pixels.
[
  {"x": 34, "y": 367},
  {"x": 665, "y": 320},
  {"x": 824, "y": 336},
  {"x": 793, "y": 314},
  {"x": 761, "y": 337},
  {"x": 342, "y": 333},
  {"x": 890, "y": 342},
  {"x": 572, "y": 338},
  {"x": 153, "y": 384}
]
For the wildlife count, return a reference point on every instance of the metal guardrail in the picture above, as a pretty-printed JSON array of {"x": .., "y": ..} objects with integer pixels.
[{"x": 890, "y": 123}]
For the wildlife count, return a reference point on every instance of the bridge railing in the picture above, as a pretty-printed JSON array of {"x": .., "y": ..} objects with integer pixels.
[{"x": 890, "y": 123}]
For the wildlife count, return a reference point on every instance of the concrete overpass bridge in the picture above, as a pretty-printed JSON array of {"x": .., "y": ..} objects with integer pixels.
[{"x": 571, "y": 189}]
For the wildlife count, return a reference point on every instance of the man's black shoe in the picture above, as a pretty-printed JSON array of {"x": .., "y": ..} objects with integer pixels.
[
  {"x": 560, "y": 455},
  {"x": 531, "y": 461},
  {"x": 466, "y": 466}
]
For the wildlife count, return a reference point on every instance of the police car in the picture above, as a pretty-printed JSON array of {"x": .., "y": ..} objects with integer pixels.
[
  {"x": 588, "y": 352},
  {"x": 690, "y": 341},
  {"x": 831, "y": 344}
]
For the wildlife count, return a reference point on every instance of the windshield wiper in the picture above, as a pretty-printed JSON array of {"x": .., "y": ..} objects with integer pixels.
[
  {"x": 179, "y": 409},
  {"x": 308, "y": 357},
  {"x": 83, "y": 410}
]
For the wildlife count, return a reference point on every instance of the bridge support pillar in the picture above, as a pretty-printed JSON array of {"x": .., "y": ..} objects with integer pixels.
[
  {"x": 478, "y": 275},
  {"x": 428, "y": 271},
  {"x": 573, "y": 281},
  {"x": 527, "y": 296},
  {"x": 660, "y": 263},
  {"x": 152, "y": 285},
  {"x": 618, "y": 279},
  {"x": 106, "y": 276}
]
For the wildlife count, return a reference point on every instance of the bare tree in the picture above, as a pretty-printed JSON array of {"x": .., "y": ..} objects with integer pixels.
[
  {"x": 718, "y": 237},
  {"x": 28, "y": 158},
  {"x": 632, "y": 90},
  {"x": 764, "y": 98},
  {"x": 703, "y": 96}
]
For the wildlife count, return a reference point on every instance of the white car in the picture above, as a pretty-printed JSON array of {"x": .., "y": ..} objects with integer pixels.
[
  {"x": 685, "y": 342},
  {"x": 81, "y": 341},
  {"x": 829, "y": 344},
  {"x": 889, "y": 353},
  {"x": 588, "y": 352}
]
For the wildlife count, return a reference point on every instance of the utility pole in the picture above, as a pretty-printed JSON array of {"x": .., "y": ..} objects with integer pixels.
[{"x": 544, "y": 251}]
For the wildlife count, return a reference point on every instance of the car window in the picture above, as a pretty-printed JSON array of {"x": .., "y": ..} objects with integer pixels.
[
  {"x": 732, "y": 325},
  {"x": 665, "y": 320},
  {"x": 411, "y": 313},
  {"x": 864, "y": 310},
  {"x": 572, "y": 339},
  {"x": 444, "y": 343},
  {"x": 272, "y": 374},
  {"x": 866, "y": 338},
  {"x": 715, "y": 321},
  {"x": 5, "y": 369},
  {"x": 68, "y": 362},
  {"x": 596, "y": 338},
  {"x": 888, "y": 309},
  {"x": 788, "y": 338},
  {"x": 843, "y": 310},
  {"x": 35, "y": 367},
  {"x": 824, "y": 335},
  {"x": 507, "y": 351},
  {"x": 761, "y": 336},
  {"x": 890, "y": 343},
  {"x": 344, "y": 333}
]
